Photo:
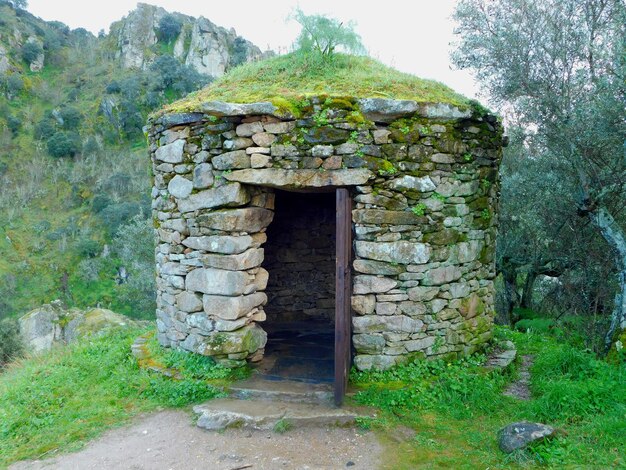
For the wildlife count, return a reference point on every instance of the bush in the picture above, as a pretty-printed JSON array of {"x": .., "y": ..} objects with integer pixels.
[
  {"x": 88, "y": 248},
  {"x": 30, "y": 51},
  {"x": 14, "y": 124},
  {"x": 10, "y": 341},
  {"x": 44, "y": 129},
  {"x": 71, "y": 117},
  {"x": 169, "y": 28},
  {"x": 64, "y": 144}
]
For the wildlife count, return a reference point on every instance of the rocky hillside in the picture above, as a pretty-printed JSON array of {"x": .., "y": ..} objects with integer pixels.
[{"x": 73, "y": 164}]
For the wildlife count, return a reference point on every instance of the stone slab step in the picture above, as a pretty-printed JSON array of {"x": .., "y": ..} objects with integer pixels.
[
  {"x": 225, "y": 413},
  {"x": 289, "y": 391}
]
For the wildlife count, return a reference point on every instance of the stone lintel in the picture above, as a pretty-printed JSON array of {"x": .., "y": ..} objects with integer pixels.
[{"x": 300, "y": 179}]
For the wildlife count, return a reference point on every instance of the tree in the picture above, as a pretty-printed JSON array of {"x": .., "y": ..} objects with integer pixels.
[
  {"x": 324, "y": 35},
  {"x": 63, "y": 144},
  {"x": 169, "y": 28},
  {"x": 559, "y": 65},
  {"x": 30, "y": 51}
]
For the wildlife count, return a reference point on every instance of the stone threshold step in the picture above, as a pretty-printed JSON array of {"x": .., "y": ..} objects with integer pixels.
[
  {"x": 226, "y": 413},
  {"x": 282, "y": 391}
]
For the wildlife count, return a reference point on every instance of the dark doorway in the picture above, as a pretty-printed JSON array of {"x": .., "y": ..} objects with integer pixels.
[{"x": 300, "y": 255}]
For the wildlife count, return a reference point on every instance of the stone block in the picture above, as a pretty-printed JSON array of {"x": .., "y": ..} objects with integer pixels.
[
  {"x": 412, "y": 183},
  {"x": 203, "y": 176},
  {"x": 231, "y": 160},
  {"x": 364, "y": 284},
  {"x": 240, "y": 262},
  {"x": 441, "y": 275},
  {"x": 225, "y": 244},
  {"x": 367, "y": 266},
  {"x": 231, "y": 308},
  {"x": 263, "y": 139},
  {"x": 375, "y": 361},
  {"x": 248, "y": 129},
  {"x": 258, "y": 160},
  {"x": 322, "y": 151},
  {"x": 421, "y": 294},
  {"x": 369, "y": 344},
  {"x": 363, "y": 304},
  {"x": 248, "y": 339},
  {"x": 249, "y": 219},
  {"x": 189, "y": 302},
  {"x": 216, "y": 281},
  {"x": 401, "y": 252},
  {"x": 228, "y": 195},
  {"x": 393, "y": 323},
  {"x": 180, "y": 187},
  {"x": 171, "y": 153}
]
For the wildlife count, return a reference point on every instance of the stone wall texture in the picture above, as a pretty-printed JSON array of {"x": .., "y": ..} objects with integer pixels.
[{"x": 424, "y": 184}]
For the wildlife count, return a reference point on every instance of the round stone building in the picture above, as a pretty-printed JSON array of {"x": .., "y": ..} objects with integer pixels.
[{"x": 362, "y": 212}]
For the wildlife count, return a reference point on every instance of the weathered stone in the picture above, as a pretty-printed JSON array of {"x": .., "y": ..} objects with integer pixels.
[
  {"x": 442, "y": 275},
  {"x": 224, "y": 244},
  {"x": 231, "y": 308},
  {"x": 472, "y": 306},
  {"x": 263, "y": 139},
  {"x": 364, "y": 304},
  {"x": 386, "y": 308},
  {"x": 419, "y": 344},
  {"x": 369, "y": 344},
  {"x": 386, "y": 110},
  {"x": 372, "y": 284},
  {"x": 189, "y": 302},
  {"x": 171, "y": 153},
  {"x": 249, "y": 219},
  {"x": 258, "y": 160},
  {"x": 346, "y": 148},
  {"x": 443, "y": 111},
  {"x": 401, "y": 252},
  {"x": 220, "y": 108},
  {"x": 237, "y": 143},
  {"x": 180, "y": 187},
  {"x": 229, "y": 195},
  {"x": 381, "y": 136},
  {"x": 366, "y": 266},
  {"x": 201, "y": 321},
  {"x": 231, "y": 160},
  {"x": 247, "y": 260},
  {"x": 326, "y": 135},
  {"x": 459, "y": 290},
  {"x": 378, "y": 217},
  {"x": 375, "y": 362},
  {"x": 282, "y": 151},
  {"x": 332, "y": 163},
  {"x": 262, "y": 150},
  {"x": 412, "y": 183},
  {"x": 421, "y": 294},
  {"x": 279, "y": 127},
  {"x": 518, "y": 435},
  {"x": 203, "y": 176},
  {"x": 295, "y": 179},
  {"x": 379, "y": 324},
  {"x": 322, "y": 150},
  {"x": 249, "y": 129},
  {"x": 179, "y": 119},
  {"x": 216, "y": 281}
]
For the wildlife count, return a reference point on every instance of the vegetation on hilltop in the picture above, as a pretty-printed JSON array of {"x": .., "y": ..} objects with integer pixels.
[{"x": 286, "y": 80}]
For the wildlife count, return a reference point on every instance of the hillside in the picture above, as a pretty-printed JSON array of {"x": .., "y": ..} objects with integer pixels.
[{"x": 73, "y": 163}]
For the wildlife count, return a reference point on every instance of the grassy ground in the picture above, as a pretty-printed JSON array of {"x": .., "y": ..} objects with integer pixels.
[
  {"x": 287, "y": 79},
  {"x": 57, "y": 402},
  {"x": 440, "y": 415}
]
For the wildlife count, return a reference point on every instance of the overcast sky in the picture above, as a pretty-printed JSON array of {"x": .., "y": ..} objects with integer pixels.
[{"x": 411, "y": 35}]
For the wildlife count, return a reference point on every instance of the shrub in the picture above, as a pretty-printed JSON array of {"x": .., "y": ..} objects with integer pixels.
[
  {"x": 44, "y": 129},
  {"x": 30, "y": 51},
  {"x": 169, "y": 28},
  {"x": 10, "y": 341},
  {"x": 14, "y": 124},
  {"x": 63, "y": 144},
  {"x": 71, "y": 117}
]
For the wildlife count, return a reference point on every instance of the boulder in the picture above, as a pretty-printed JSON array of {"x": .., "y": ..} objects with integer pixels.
[
  {"x": 294, "y": 179},
  {"x": 518, "y": 435}
]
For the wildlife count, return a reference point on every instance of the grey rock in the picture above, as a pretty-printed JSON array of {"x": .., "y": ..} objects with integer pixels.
[
  {"x": 232, "y": 308},
  {"x": 203, "y": 176},
  {"x": 376, "y": 362},
  {"x": 247, "y": 260},
  {"x": 363, "y": 304},
  {"x": 237, "y": 143},
  {"x": 442, "y": 275},
  {"x": 419, "y": 344},
  {"x": 282, "y": 151},
  {"x": 179, "y": 119},
  {"x": 263, "y": 139},
  {"x": 386, "y": 110},
  {"x": 366, "y": 266},
  {"x": 249, "y": 219},
  {"x": 220, "y": 108},
  {"x": 216, "y": 281},
  {"x": 420, "y": 294},
  {"x": 402, "y": 252},
  {"x": 369, "y": 344},
  {"x": 225, "y": 244},
  {"x": 519, "y": 435},
  {"x": 189, "y": 302},
  {"x": 229, "y": 195},
  {"x": 381, "y": 324},
  {"x": 248, "y": 129},
  {"x": 322, "y": 150},
  {"x": 295, "y": 179},
  {"x": 381, "y": 136},
  {"x": 412, "y": 183},
  {"x": 180, "y": 187},
  {"x": 279, "y": 127},
  {"x": 202, "y": 322},
  {"x": 231, "y": 160},
  {"x": 171, "y": 153},
  {"x": 372, "y": 284},
  {"x": 443, "y": 111},
  {"x": 258, "y": 160}
]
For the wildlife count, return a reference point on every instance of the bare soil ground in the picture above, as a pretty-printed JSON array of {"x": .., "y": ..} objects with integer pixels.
[{"x": 169, "y": 440}]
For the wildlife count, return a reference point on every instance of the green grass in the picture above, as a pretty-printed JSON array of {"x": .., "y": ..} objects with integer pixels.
[
  {"x": 440, "y": 414},
  {"x": 286, "y": 80},
  {"x": 55, "y": 402}
]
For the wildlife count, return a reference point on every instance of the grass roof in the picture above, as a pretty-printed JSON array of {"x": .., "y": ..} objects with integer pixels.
[{"x": 285, "y": 80}]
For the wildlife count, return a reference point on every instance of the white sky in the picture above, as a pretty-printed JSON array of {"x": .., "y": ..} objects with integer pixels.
[{"x": 411, "y": 35}]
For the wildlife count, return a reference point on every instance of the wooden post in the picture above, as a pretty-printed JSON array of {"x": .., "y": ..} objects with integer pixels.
[{"x": 343, "y": 287}]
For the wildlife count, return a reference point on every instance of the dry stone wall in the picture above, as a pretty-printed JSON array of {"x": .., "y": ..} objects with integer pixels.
[{"x": 424, "y": 185}]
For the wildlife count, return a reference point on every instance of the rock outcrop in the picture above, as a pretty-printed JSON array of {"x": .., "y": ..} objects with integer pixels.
[
  {"x": 52, "y": 324},
  {"x": 209, "y": 48}
]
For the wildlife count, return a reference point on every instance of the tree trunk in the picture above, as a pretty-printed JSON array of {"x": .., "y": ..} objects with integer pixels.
[
  {"x": 614, "y": 236},
  {"x": 510, "y": 294},
  {"x": 527, "y": 294}
]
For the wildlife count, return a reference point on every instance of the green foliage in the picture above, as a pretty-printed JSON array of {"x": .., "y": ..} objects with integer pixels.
[
  {"x": 63, "y": 144},
  {"x": 73, "y": 394},
  {"x": 323, "y": 35},
  {"x": 239, "y": 52},
  {"x": 288, "y": 79},
  {"x": 71, "y": 116},
  {"x": 10, "y": 341},
  {"x": 282, "y": 426},
  {"x": 30, "y": 51},
  {"x": 419, "y": 209},
  {"x": 169, "y": 27}
]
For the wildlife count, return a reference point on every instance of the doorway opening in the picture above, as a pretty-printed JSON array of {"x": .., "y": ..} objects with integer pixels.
[{"x": 300, "y": 255}]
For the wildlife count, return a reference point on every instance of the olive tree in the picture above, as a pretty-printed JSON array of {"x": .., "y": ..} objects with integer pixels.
[
  {"x": 325, "y": 35},
  {"x": 559, "y": 66}
]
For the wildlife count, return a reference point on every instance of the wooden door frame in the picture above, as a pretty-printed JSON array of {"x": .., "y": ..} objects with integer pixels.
[{"x": 343, "y": 292}]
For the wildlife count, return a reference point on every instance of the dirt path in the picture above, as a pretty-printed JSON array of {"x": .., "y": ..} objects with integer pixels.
[
  {"x": 168, "y": 440},
  {"x": 521, "y": 387}
]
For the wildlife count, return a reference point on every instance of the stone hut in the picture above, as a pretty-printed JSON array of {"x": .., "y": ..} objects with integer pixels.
[{"x": 257, "y": 207}]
